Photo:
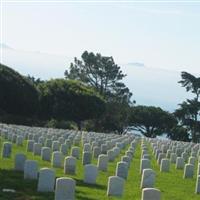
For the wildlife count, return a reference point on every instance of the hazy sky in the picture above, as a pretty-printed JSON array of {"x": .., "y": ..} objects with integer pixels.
[{"x": 160, "y": 35}]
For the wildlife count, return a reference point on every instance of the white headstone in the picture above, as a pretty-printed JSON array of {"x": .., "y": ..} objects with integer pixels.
[
  {"x": 57, "y": 158},
  {"x": 46, "y": 180},
  {"x": 65, "y": 189},
  {"x": 87, "y": 158},
  {"x": 111, "y": 155},
  {"x": 70, "y": 165},
  {"x": 96, "y": 152},
  {"x": 19, "y": 140},
  {"x": 64, "y": 149},
  {"x": 46, "y": 153},
  {"x": 102, "y": 162},
  {"x": 188, "y": 171},
  {"x": 148, "y": 178},
  {"x": 30, "y": 144},
  {"x": 179, "y": 163},
  {"x": 20, "y": 159},
  {"x": 144, "y": 164},
  {"x": 122, "y": 170},
  {"x": 55, "y": 146},
  {"x": 7, "y": 149},
  {"x": 115, "y": 186},
  {"x": 30, "y": 169},
  {"x": 37, "y": 147},
  {"x": 151, "y": 194},
  {"x": 75, "y": 152},
  {"x": 165, "y": 165},
  {"x": 90, "y": 173}
]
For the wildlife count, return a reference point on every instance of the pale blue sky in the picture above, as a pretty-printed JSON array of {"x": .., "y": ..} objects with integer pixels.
[{"x": 160, "y": 35}]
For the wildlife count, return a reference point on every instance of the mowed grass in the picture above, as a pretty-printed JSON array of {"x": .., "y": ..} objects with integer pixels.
[
  {"x": 172, "y": 185},
  {"x": 27, "y": 190}
]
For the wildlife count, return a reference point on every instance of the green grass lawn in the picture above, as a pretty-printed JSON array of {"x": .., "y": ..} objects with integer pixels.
[{"x": 172, "y": 185}]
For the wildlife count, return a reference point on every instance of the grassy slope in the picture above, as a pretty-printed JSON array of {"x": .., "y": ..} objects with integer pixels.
[{"x": 171, "y": 184}]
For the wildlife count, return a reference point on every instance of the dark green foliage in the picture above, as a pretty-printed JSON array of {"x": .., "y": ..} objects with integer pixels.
[
  {"x": 191, "y": 83},
  {"x": 189, "y": 111},
  {"x": 53, "y": 123},
  {"x": 30, "y": 101},
  {"x": 115, "y": 118},
  {"x": 151, "y": 121},
  {"x": 34, "y": 80},
  {"x": 69, "y": 100},
  {"x": 18, "y": 95},
  {"x": 179, "y": 133},
  {"x": 101, "y": 73}
]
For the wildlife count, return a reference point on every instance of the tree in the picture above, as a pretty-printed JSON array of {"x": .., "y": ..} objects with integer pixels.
[
  {"x": 34, "y": 80},
  {"x": 191, "y": 83},
  {"x": 18, "y": 95},
  {"x": 101, "y": 73},
  {"x": 115, "y": 118},
  {"x": 69, "y": 100},
  {"x": 189, "y": 110},
  {"x": 151, "y": 121},
  {"x": 187, "y": 114},
  {"x": 179, "y": 133}
]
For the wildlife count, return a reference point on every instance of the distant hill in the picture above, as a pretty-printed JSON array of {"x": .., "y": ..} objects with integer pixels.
[
  {"x": 40, "y": 65},
  {"x": 136, "y": 64}
]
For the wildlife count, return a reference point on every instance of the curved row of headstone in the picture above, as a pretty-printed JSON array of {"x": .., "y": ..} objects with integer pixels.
[{"x": 183, "y": 154}]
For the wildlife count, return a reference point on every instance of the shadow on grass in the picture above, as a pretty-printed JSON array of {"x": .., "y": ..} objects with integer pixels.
[
  {"x": 25, "y": 189},
  {"x": 85, "y": 198},
  {"x": 80, "y": 182}
]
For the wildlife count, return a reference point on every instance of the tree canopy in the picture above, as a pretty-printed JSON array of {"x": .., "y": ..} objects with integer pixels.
[
  {"x": 189, "y": 110},
  {"x": 105, "y": 76},
  {"x": 191, "y": 83},
  {"x": 18, "y": 95},
  {"x": 101, "y": 73},
  {"x": 150, "y": 120},
  {"x": 179, "y": 133},
  {"x": 69, "y": 100}
]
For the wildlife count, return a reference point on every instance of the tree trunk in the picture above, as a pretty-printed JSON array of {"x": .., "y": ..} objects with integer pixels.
[
  {"x": 148, "y": 131},
  {"x": 79, "y": 124}
]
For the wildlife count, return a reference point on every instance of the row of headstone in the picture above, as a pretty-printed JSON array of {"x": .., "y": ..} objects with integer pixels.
[
  {"x": 64, "y": 188},
  {"x": 116, "y": 183},
  {"x": 183, "y": 155},
  {"x": 148, "y": 174},
  {"x": 46, "y": 177}
]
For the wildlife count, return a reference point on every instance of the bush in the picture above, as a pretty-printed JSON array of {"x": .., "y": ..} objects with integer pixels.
[
  {"x": 18, "y": 96},
  {"x": 53, "y": 123}
]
